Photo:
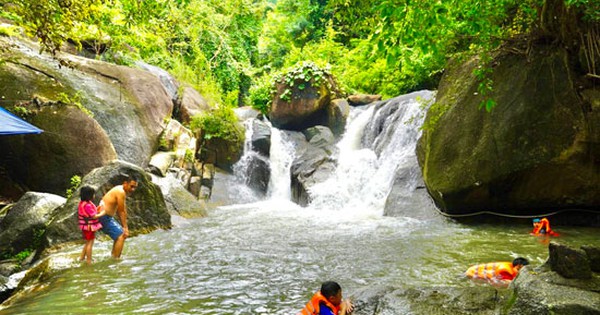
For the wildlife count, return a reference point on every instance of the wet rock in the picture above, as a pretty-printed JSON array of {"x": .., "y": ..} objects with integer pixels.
[
  {"x": 261, "y": 138},
  {"x": 541, "y": 291},
  {"x": 338, "y": 112},
  {"x": 258, "y": 173},
  {"x": 320, "y": 136},
  {"x": 430, "y": 300},
  {"x": 569, "y": 262},
  {"x": 593, "y": 254}
]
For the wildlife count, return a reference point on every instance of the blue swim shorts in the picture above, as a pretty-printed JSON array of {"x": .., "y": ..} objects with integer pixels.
[{"x": 111, "y": 227}]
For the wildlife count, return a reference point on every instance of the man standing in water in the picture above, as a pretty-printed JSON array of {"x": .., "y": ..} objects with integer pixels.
[{"x": 113, "y": 203}]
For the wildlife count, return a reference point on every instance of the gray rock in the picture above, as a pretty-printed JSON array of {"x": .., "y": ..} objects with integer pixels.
[
  {"x": 161, "y": 162},
  {"x": 541, "y": 291},
  {"x": 593, "y": 254},
  {"x": 261, "y": 137},
  {"x": 319, "y": 136},
  {"x": 569, "y": 262},
  {"x": 178, "y": 199},
  {"x": 246, "y": 112},
  {"x": 25, "y": 223}
]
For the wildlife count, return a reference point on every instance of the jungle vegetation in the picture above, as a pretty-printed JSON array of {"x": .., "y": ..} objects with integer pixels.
[{"x": 231, "y": 49}]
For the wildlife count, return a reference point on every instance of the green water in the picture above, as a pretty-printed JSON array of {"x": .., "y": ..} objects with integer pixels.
[{"x": 268, "y": 258}]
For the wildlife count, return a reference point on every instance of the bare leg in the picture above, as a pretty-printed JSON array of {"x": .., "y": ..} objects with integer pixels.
[
  {"x": 83, "y": 252},
  {"x": 89, "y": 245},
  {"x": 118, "y": 246}
]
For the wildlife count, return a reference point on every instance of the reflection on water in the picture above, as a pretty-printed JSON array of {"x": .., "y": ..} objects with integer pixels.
[{"x": 268, "y": 258}]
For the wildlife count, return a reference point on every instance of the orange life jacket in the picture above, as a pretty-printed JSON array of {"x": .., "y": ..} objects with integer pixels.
[
  {"x": 503, "y": 270},
  {"x": 543, "y": 224},
  {"x": 313, "y": 307}
]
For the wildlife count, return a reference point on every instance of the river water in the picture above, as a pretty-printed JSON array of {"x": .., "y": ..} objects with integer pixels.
[{"x": 268, "y": 255}]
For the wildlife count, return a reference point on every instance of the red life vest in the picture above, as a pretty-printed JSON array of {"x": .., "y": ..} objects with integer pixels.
[
  {"x": 493, "y": 271},
  {"x": 542, "y": 227},
  {"x": 313, "y": 307},
  {"x": 86, "y": 222}
]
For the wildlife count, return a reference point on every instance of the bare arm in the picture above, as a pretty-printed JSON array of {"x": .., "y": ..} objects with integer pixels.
[
  {"x": 122, "y": 211},
  {"x": 346, "y": 307}
]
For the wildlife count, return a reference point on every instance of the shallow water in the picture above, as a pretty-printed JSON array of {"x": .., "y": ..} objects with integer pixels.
[{"x": 269, "y": 257}]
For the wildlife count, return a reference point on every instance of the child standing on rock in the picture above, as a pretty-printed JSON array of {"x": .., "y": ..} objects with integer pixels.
[{"x": 88, "y": 221}]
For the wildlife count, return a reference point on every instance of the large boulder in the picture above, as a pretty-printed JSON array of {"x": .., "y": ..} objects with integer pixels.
[
  {"x": 129, "y": 104},
  {"x": 72, "y": 143},
  {"x": 544, "y": 127},
  {"x": 569, "y": 262},
  {"x": 303, "y": 99},
  {"x": 146, "y": 208},
  {"x": 25, "y": 223},
  {"x": 429, "y": 300},
  {"x": 313, "y": 163},
  {"x": 541, "y": 291},
  {"x": 178, "y": 199},
  {"x": 190, "y": 104}
]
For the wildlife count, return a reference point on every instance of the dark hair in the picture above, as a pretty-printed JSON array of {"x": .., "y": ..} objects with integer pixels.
[
  {"x": 87, "y": 193},
  {"x": 520, "y": 261},
  {"x": 129, "y": 177},
  {"x": 330, "y": 288}
]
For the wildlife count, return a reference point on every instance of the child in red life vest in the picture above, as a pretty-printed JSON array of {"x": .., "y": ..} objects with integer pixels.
[
  {"x": 88, "y": 221},
  {"x": 328, "y": 301},
  {"x": 542, "y": 227}
]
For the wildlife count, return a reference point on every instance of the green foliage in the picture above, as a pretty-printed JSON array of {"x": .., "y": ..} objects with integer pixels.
[
  {"x": 9, "y": 30},
  {"x": 219, "y": 123},
  {"x": 590, "y": 8},
  {"x": 74, "y": 100},
  {"x": 189, "y": 155},
  {"x": 22, "y": 255},
  {"x": 261, "y": 94},
  {"x": 75, "y": 181},
  {"x": 301, "y": 76},
  {"x": 20, "y": 111},
  {"x": 51, "y": 21}
]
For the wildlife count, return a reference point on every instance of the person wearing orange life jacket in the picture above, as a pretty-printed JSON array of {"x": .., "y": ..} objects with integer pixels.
[
  {"x": 328, "y": 301},
  {"x": 497, "y": 271},
  {"x": 541, "y": 227}
]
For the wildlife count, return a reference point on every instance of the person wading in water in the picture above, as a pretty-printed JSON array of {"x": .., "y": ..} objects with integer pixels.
[{"x": 113, "y": 203}]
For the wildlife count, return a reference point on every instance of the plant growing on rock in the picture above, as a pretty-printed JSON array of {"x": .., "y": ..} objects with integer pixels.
[
  {"x": 219, "y": 123},
  {"x": 302, "y": 76}
]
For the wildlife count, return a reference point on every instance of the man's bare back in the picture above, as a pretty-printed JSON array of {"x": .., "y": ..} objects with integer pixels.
[{"x": 112, "y": 200}]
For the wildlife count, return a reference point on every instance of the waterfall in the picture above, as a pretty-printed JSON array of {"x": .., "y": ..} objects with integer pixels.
[
  {"x": 238, "y": 189},
  {"x": 377, "y": 147},
  {"x": 379, "y": 142},
  {"x": 282, "y": 156}
]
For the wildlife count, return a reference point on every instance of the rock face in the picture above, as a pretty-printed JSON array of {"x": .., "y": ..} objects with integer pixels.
[
  {"x": 178, "y": 199},
  {"x": 130, "y": 105},
  {"x": 72, "y": 143},
  {"x": 190, "y": 104},
  {"x": 23, "y": 226},
  {"x": 313, "y": 163},
  {"x": 544, "y": 127},
  {"x": 146, "y": 208}
]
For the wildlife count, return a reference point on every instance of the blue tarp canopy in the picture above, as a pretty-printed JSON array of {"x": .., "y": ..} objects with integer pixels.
[{"x": 13, "y": 125}]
